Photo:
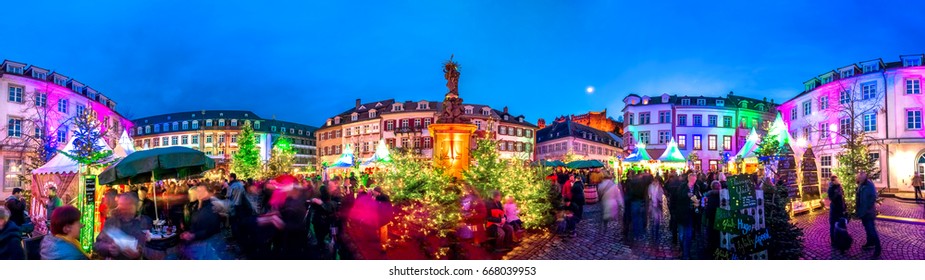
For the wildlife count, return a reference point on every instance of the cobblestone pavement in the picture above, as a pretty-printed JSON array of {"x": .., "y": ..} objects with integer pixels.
[
  {"x": 902, "y": 208},
  {"x": 900, "y": 241}
]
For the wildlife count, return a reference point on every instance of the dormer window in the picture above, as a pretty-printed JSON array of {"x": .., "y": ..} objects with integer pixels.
[
  {"x": 521, "y": 119},
  {"x": 176, "y": 126},
  {"x": 38, "y": 75},
  {"x": 372, "y": 114},
  {"x": 468, "y": 111},
  {"x": 645, "y": 100},
  {"x": 871, "y": 67},
  {"x": 912, "y": 61},
  {"x": 397, "y": 107},
  {"x": 234, "y": 122},
  {"x": 354, "y": 116},
  {"x": 257, "y": 124},
  {"x": 195, "y": 124},
  {"x": 720, "y": 103},
  {"x": 485, "y": 111},
  {"x": 505, "y": 117},
  {"x": 166, "y": 127},
  {"x": 61, "y": 81},
  {"x": 760, "y": 107},
  {"x": 76, "y": 88},
  {"x": 701, "y": 102},
  {"x": 15, "y": 69},
  {"x": 185, "y": 125},
  {"x": 208, "y": 123},
  {"x": 423, "y": 106},
  {"x": 221, "y": 122},
  {"x": 847, "y": 73},
  {"x": 337, "y": 120},
  {"x": 685, "y": 102},
  {"x": 664, "y": 98}
]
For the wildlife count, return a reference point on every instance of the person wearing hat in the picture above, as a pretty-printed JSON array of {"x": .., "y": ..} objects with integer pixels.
[
  {"x": 53, "y": 203},
  {"x": 17, "y": 206}
]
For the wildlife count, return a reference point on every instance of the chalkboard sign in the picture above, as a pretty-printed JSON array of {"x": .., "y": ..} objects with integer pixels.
[
  {"x": 733, "y": 222},
  {"x": 810, "y": 187},
  {"x": 787, "y": 167},
  {"x": 741, "y": 192},
  {"x": 90, "y": 190},
  {"x": 753, "y": 242}
]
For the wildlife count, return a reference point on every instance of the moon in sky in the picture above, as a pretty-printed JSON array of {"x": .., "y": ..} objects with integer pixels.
[{"x": 590, "y": 90}]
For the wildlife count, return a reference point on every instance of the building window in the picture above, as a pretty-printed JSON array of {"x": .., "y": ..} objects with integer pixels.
[
  {"x": 221, "y": 138},
  {"x": 844, "y": 126},
  {"x": 62, "y": 136},
  {"x": 685, "y": 102},
  {"x": 427, "y": 122},
  {"x": 41, "y": 99},
  {"x": 914, "y": 119},
  {"x": 793, "y": 113},
  {"x": 714, "y": 164},
  {"x": 185, "y": 125},
  {"x": 711, "y": 121},
  {"x": 875, "y": 160},
  {"x": 727, "y": 121},
  {"x": 139, "y": 131},
  {"x": 912, "y": 61},
  {"x": 711, "y": 142},
  {"x": 15, "y": 94},
  {"x": 12, "y": 170},
  {"x": 870, "y": 122},
  {"x": 664, "y": 117},
  {"x": 209, "y": 139},
  {"x": 468, "y": 111},
  {"x": 823, "y": 131},
  {"x": 868, "y": 90},
  {"x": 644, "y": 137},
  {"x": 698, "y": 120},
  {"x": 682, "y": 120},
  {"x": 844, "y": 97},
  {"x": 823, "y": 103},
  {"x": 389, "y": 125},
  {"x": 221, "y": 122},
  {"x": 701, "y": 102},
  {"x": 176, "y": 126},
  {"x": 155, "y": 142},
  {"x": 727, "y": 143},
  {"x": 174, "y": 140},
  {"x": 257, "y": 125},
  {"x": 62, "y": 106},
  {"x": 427, "y": 143},
  {"x": 528, "y": 132},
  {"x": 682, "y": 141},
  {"x": 404, "y": 123},
  {"x": 195, "y": 124},
  {"x": 234, "y": 122},
  {"x": 166, "y": 127},
  {"x": 165, "y": 141},
  {"x": 629, "y": 119},
  {"x": 81, "y": 109},
  {"x": 807, "y": 108},
  {"x": 664, "y": 136},
  {"x": 14, "y": 128},
  {"x": 195, "y": 140},
  {"x": 148, "y": 129},
  {"x": 405, "y": 143},
  {"x": 208, "y": 123},
  {"x": 184, "y": 140},
  {"x": 354, "y": 117},
  {"x": 372, "y": 114},
  {"x": 644, "y": 118},
  {"x": 913, "y": 86},
  {"x": 825, "y": 162},
  {"x": 273, "y": 128},
  {"x": 720, "y": 103},
  {"x": 520, "y": 132},
  {"x": 698, "y": 142}
]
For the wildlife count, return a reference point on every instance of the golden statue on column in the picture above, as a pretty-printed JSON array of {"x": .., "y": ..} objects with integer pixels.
[{"x": 452, "y": 130}]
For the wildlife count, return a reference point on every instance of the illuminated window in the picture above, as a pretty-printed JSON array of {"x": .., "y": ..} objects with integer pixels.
[
  {"x": 868, "y": 90},
  {"x": 62, "y": 106},
  {"x": 727, "y": 143},
  {"x": 711, "y": 121},
  {"x": 15, "y": 94},
  {"x": 682, "y": 141},
  {"x": 823, "y": 103},
  {"x": 14, "y": 128},
  {"x": 823, "y": 131},
  {"x": 913, "y": 86},
  {"x": 844, "y": 97},
  {"x": 807, "y": 108},
  {"x": 711, "y": 142},
  {"x": 698, "y": 142}
]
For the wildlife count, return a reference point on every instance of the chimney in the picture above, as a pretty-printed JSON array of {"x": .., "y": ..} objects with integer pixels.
[
  {"x": 505, "y": 109},
  {"x": 541, "y": 123},
  {"x": 358, "y": 104}
]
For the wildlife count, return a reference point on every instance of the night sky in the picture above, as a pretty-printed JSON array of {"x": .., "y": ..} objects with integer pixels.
[{"x": 304, "y": 62}]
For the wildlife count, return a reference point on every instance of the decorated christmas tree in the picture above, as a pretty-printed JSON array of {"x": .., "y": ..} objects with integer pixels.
[
  {"x": 281, "y": 157},
  {"x": 786, "y": 242},
  {"x": 809, "y": 188},
  {"x": 246, "y": 162},
  {"x": 89, "y": 151}
]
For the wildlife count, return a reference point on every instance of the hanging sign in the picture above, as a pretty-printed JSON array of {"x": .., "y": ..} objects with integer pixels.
[{"x": 741, "y": 192}]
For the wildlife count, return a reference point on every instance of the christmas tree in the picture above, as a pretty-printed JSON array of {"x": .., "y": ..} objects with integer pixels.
[
  {"x": 281, "y": 157},
  {"x": 786, "y": 241},
  {"x": 810, "y": 184},
  {"x": 246, "y": 162},
  {"x": 88, "y": 147}
]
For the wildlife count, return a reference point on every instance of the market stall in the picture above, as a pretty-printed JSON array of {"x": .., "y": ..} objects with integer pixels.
[
  {"x": 672, "y": 158},
  {"x": 746, "y": 160}
]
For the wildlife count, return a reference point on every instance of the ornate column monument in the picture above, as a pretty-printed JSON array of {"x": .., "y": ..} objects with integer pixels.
[{"x": 452, "y": 131}]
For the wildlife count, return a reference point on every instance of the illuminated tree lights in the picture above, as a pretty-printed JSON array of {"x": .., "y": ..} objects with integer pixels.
[
  {"x": 88, "y": 152},
  {"x": 246, "y": 162},
  {"x": 281, "y": 158}
]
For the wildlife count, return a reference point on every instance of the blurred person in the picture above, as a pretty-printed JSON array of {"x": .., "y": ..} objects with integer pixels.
[
  {"x": 512, "y": 214},
  {"x": 611, "y": 200},
  {"x": 146, "y": 207},
  {"x": 323, "y": 212},
  {"x": 62, "y": 243},
  {"x": 683, "y": 205},
  {"x": 124, "y": 227},
  {"x": 16, "y": 204},
  {"x": 203, "y": 239},
  {"x": 711, "y": 206},
  {"x": 10, "y": 238},
  {"x": 655, "y": 201},
  {"x": 866, "y": 202},
  {"x": 576, "y": 203},
  {"x": 53, "y": 202},
  {"x": 292, "y": 241},
  {"x": 497, "y": 224},
  {"x": 837, "y": 208},
  {"x": 108, "y": 204}
]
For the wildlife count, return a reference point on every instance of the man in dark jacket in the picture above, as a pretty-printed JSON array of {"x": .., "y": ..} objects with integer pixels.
[
  {"x": 576, "y": 204},
  {"x": 711, "y": 199},
  {"x": 17, "y": 207},
  {"x": 867, "y": 212},
  {"x": 683, "y": 211},
  {"x": 147, "y": 206},
  {"x": 837, "y": 208},
  {"x": 10, "y": 238}
]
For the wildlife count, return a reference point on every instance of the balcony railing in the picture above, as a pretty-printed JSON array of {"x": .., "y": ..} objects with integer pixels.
[{"x": 409, "y": 129}]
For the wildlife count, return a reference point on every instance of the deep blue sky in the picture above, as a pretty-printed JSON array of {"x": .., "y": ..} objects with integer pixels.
[{"x": 304, "y": 62}]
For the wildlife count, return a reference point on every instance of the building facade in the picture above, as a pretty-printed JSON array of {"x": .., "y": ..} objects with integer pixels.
[
  {"x": 40, "y": 107},
  {"x": 215, "y": 132},
  {"x": 886, "y": 101},
  {"x": 565, "y": 138},
  {"x": 403, "y": 126},
  {"x": 711, "y": 127}
]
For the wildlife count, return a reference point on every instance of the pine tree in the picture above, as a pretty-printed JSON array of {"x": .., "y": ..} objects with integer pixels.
[
  {"x": 87, "y": 148},
  {"x": 246, "y": 162},
  {"x": 851, "y": 161},
  {"x": 786, "y": 238},
  {"x": 281, "y": 157}
]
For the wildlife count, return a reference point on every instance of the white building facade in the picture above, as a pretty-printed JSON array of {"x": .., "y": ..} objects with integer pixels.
[{"x": 887, "y": 99}]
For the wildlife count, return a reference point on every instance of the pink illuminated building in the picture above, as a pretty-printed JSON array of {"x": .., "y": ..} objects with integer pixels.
[
  {"x": 40, "y": 104},
  {"x": 887, "y": 99}
]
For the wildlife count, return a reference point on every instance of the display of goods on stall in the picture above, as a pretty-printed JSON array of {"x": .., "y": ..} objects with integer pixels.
[{"x": 810, "y": 184}]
